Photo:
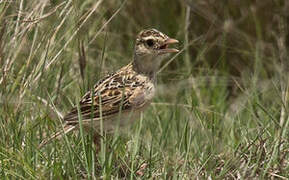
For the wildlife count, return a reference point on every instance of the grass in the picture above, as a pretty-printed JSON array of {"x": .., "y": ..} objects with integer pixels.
[{"x": 222, "y": 105}]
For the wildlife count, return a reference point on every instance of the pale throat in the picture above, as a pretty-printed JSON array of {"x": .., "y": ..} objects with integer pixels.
[{"x": 147, "y": 64}]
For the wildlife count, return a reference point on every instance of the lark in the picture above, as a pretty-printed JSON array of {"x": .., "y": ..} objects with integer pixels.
[{"x": 119, "y": 98}]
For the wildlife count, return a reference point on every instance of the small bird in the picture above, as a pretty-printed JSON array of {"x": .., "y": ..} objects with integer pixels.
[{"x": 120, "y": 97}]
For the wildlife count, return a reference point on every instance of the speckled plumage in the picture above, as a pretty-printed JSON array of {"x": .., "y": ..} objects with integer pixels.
[
  {"x": 122, "y": 95},
  {"x": 124, "y": 90}
]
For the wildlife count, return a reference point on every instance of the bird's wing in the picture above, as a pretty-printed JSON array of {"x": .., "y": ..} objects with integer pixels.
[{"x": 116, "y": 93}]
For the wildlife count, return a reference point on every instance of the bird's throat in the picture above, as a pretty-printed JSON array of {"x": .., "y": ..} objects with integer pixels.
[{"x": 147, "y": 65}]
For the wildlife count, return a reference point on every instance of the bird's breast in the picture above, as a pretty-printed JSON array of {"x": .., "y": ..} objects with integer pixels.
[{"x": 149, "y": 90}]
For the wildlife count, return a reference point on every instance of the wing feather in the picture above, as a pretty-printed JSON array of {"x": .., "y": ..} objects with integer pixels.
[{"x": 117, "y": 92}]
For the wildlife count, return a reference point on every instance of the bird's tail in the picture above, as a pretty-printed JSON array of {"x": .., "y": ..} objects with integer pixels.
[{"x": 66, "y": 129}]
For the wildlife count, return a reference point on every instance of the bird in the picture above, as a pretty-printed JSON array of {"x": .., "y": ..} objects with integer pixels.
[{"x": 120, "y": 97}]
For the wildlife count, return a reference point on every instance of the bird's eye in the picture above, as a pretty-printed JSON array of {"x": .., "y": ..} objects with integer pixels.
[{"x": 150, "y": 42}]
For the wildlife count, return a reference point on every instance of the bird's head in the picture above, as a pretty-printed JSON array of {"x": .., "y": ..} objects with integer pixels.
[
  {"x": 150, "y": 48},
  {"x": 153, "y": 42}
]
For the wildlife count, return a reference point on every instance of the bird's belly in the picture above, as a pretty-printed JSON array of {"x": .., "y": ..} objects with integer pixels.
[{"x": 111, "y": 124}]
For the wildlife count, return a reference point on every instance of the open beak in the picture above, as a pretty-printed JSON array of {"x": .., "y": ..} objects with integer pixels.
[{"x": 164, "y": 48}]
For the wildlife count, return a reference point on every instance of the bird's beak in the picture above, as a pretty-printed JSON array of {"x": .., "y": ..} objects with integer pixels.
[{"x": 164, "y": 48}]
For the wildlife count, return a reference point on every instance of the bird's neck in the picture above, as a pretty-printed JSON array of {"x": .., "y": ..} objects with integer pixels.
[{"x": 146, "y": 65}]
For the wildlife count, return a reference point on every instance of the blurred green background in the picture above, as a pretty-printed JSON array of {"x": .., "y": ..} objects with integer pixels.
[{"x": 222, "y": 105}]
